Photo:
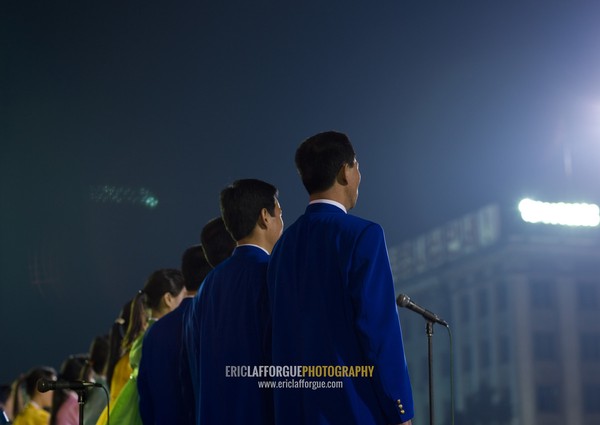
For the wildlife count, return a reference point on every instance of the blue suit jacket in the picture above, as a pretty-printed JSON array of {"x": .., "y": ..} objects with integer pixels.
[
  {"x": 332, "y": 300},
  {"x": 164, "y": 383},
  {"x": 231, "y": 318}
]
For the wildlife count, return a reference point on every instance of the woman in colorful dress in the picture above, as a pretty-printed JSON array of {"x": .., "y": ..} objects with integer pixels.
[{"x": 162, "y": 294}]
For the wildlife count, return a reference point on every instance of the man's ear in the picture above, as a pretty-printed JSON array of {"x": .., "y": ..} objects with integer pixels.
[
  {"x": 263, "y": 218},
  {"x": 169, "y": 299},
  {"x": 342, "y": 176}
]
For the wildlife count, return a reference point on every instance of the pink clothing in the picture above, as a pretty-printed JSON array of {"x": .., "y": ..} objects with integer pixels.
[{"x": 68, "y": 414}]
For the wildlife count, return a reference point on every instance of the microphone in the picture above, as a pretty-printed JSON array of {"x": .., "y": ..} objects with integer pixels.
[
  {"x": 404, "y": 301},
  {"x": 44, "y": 385}
]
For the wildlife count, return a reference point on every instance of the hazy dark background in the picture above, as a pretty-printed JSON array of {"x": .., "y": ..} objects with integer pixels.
[{"x": 450, "y": 105}]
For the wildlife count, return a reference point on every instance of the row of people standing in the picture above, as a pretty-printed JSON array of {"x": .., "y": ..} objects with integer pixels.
[
  {"x": 319, "y": 294},
  {"x": 113, "y": 360},
  {"x": 32, "y": 404},
  {"x": 163, "y": 298},
  {"x": 29, "y": 403}
]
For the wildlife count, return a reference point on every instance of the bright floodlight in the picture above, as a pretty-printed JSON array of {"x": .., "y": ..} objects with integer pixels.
[{"x": 559, "y": 213}]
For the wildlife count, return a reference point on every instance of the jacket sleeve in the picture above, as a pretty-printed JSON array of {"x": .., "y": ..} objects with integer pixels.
[
  {"x": 143, "y": 386},
  {"x": 377, "y": 324}
]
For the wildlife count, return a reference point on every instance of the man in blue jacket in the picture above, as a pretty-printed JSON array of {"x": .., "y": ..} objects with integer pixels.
[
  {"x": 333, "y": 305},
  {"x": 230, "y": 315},
  {"x": 165, "y": 388}
]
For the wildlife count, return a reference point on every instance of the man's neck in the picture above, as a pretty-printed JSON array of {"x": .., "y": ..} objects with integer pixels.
[
  {"x": 330, "y": 202},
  {"x": 331, "y": 194},
  {"x": 253, "y": 240}
]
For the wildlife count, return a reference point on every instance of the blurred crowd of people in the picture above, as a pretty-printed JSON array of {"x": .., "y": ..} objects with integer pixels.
[
  {"x": 26, "y": 402},
  {"x": 113, "y": 359}
]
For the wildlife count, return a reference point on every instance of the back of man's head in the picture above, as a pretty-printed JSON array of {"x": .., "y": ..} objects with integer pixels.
[
  {"x": 194, "y": 267},
  {"x": 217, "y": 243},
  {"x": 320, "y": 157},
  {"x": 242, "y": 203}
]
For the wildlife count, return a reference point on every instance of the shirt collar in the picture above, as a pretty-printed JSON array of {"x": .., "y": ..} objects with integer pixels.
[
  {"x": 257, "y": 246},
  {"x": 330, "y": 202}
]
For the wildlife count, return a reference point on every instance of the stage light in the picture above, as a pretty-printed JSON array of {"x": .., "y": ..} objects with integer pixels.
[{"x": 559, "y": 213}]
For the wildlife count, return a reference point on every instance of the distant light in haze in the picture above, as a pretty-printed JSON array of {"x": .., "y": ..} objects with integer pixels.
[
  {"x": 559, "y": 213},
  {"x": 123, "y": 195},
  {"x": 151, "y": 201}
]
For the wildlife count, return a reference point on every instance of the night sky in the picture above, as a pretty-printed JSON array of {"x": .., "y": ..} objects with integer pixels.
[{"x": 450, "y": 106}]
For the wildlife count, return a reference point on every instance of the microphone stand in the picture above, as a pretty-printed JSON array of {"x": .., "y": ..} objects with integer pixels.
[
  {"x": 431, "y": 318},
  {"x": 429, "y": 330},
  {"x": 81, "y": 399}
]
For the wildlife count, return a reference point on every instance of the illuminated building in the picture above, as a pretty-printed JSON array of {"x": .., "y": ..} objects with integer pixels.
[{"x": 523, "y": 304}]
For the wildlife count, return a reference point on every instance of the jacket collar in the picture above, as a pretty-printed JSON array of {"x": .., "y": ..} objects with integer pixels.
[{"x": 322, "y": 207}]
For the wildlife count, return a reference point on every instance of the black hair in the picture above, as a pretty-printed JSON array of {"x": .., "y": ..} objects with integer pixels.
[
  {"x": 320, "y": 157},
  {"x": 217, "y": 242},
  {"x": 29, "y": 382},
  {"x": 74, "y": 368},
  {"x": 34, "y": 375},
  {"x": 194, "y": 267},
  {"x": 242, "y": 202},
  {"x": 158, "y": 284},
  {"x": 99, "y": 351},
  {"x": 5, "y": 390},
  {"x": 115, "y": 340}
]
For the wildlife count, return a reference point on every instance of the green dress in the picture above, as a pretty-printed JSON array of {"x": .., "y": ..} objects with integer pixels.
[{"x": 126, "y": 408}]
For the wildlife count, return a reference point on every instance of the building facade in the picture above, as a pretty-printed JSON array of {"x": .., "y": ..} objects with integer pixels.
[{"x": 523, "y": 304}]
